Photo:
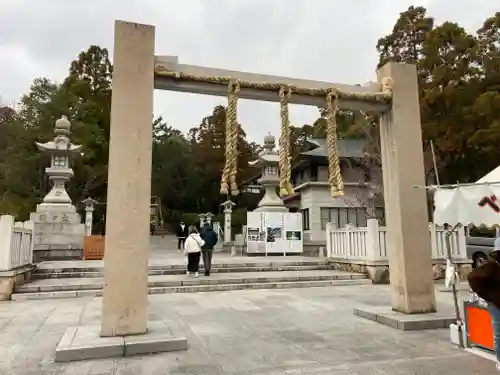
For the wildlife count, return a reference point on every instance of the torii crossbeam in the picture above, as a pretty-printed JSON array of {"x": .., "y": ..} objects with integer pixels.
[{"x": 171, "y": 64}]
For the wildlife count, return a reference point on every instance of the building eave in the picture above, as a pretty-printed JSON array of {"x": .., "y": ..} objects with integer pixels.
[
  {"x": 310, "y": 184},
  {"x": 295, "y": 196}
]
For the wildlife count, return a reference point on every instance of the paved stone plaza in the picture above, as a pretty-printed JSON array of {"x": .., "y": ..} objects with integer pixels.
[{"x": 292, "y": 331}]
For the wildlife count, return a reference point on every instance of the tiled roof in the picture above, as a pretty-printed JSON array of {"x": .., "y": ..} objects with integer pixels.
[{"x": 348, "y": 148}]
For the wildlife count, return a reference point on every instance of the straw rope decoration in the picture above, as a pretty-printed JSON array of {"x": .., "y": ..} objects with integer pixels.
[
  {"x": 232, "y": 117},
  {"x": 284, "y": 143},
  {"x": 383, "y": 97},
  {"x": 334, "y": 173},
  {"x": 231, "y": 154},
  {"x": 332, "y": 97}
]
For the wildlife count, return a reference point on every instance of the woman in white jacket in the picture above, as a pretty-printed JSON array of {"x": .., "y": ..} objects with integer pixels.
[{"x": 192, "y": 248}]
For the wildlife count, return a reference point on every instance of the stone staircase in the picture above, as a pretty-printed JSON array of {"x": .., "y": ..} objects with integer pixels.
[{"x": 85, "y": 279}]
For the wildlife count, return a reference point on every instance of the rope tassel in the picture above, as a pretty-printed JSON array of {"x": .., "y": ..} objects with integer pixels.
[
  {"x": 286, "y": 188},
  {"x": 334, "y": 173},
  {"x": 231, "y": 155}
]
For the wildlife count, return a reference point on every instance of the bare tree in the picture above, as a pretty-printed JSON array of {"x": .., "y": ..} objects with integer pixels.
[{"x": 370, "y": 164}]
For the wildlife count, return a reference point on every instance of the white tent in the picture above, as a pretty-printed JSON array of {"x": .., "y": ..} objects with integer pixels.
[
  {"x": 477, "y": 203},
  {"x": 493, "y": 176}
]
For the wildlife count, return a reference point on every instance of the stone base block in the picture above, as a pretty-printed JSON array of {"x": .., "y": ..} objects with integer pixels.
[
  {"x": 378, "y": 274},
  {"x": 58, "y": 233},
  {"x": 314, "y": 249},
  {"x": 12, "y": 278},
  {"x": 6, "y": 288},
  {"x": 57, "y": 254},
  {"x": 482, "y": 353},
  {"x": 407, "y": 322},
  {"x": 85, "y": 342}
]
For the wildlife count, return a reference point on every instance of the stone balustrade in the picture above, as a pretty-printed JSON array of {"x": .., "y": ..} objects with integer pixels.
[
  {"x": 365, "y": 249},
  {"x": 16, "y": 254}
]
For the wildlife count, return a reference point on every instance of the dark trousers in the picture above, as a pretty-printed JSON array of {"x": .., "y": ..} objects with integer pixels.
[
  {"x": 180, "y": 242},
  {"x": 193, "y": 262},
  {"x": 207, "y": 259}
]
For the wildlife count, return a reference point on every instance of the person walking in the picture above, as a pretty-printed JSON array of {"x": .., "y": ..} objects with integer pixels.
[
  {"x": 182, "y": 233},
  {"x": 192, "y": 248},
  {"x": 210, "y": 238},
  {"x": 485, "y": 282}
]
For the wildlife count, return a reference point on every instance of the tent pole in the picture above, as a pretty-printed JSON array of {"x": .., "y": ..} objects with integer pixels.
[
  {"x": 448, "y": 233},
  {"x": 436, "y": 172}
]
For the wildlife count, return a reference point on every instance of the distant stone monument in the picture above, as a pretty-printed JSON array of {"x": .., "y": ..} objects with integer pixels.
[
  {"x": 270, "y": 181},
  {"x": 202, "y": 219},
  {"x": 58, "y": 230},
  {"x": 208, "y": 218},
  {"x": 89, "y": 214},
  {"x": 228, "y": 210}
]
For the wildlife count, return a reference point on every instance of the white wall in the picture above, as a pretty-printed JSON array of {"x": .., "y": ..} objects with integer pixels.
[
  {"x": 349, "y": 174},
  {"x": 316, "y": 196}
]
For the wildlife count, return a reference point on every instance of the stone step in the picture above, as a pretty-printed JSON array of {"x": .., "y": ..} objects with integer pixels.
[
  {"x": 196, "y": 288},
  {"x": 98, "y": 266},
  {"x": 177, "y": 270},
  {"x": 160, "y": 281}
]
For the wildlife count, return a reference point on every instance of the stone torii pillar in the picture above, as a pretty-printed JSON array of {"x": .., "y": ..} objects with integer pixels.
[
  {"x": 125, "y": 299},
  {"x": 124, "y": 319},
  {"x": 228, "y": 209},
  {"x": 409, "y": 244},
  {"x": 89, "y": 213}
]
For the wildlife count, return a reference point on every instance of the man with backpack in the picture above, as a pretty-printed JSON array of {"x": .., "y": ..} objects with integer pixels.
[{"x": 210, "y": 237}]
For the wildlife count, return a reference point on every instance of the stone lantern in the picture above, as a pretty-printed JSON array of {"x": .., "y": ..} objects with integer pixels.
[
  {"x": 202, "y": 219},
  {"x": 58, "y": 231},
  {"x": 208, "y": 218},
  {"x": 59, "y": 172},
  {"x": 268, "y": 161},
  {"x": 89, "y": 213}
]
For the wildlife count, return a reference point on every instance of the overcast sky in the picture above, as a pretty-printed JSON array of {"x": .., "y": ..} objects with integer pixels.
[{"x": 329, "y": 40}]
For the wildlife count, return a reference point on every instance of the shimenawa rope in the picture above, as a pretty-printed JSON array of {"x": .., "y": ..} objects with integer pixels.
[
  {"x": 231, "y": 154},
  {"x": 234, "y": 136},
  {"x": 332, "y": 97},
  {"x": 334, "y": 173},
  {"x": 284, "y": 143},
  {"x": 374, "y": 97}
]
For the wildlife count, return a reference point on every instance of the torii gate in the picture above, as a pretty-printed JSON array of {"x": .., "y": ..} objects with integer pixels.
[{"x": 137, "y": 72}]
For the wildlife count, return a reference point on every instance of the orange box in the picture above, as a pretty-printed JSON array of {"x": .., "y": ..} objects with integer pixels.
[
  {"x": 479, "y": 328},
  {"x": 93, "y": 247}
]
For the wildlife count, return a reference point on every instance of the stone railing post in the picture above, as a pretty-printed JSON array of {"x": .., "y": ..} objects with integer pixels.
[
  {"x": 329, "y": 244},
  {"x": 31, "y": 226},
  {"x": 6, "y": 229},
  {"x": 349, "y": 242},
  {"x": 434, "y": 243},
  {"x": 462, "y": 243},
  {"x": 89, "y": 213},
  {"x": 372, "y": 240}
]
